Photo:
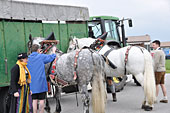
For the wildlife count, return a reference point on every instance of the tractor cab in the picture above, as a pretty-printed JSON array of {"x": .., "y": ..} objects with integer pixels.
[
  {"x": 98, "y": 25},
  {"x": 101, "y": 24}
]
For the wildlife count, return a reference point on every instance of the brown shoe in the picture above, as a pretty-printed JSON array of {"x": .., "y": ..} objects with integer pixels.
[{"x": 164, "y": 101}]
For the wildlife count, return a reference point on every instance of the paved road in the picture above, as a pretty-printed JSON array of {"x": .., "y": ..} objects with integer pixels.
[{"x": 129, "y": 101}]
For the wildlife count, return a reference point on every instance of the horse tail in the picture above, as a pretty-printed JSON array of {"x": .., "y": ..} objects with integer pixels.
[
  {"x": 98, "y": 92},
  {"x": 149, "y": 78}
]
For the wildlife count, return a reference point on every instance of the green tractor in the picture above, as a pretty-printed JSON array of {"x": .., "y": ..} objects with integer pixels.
[{"x": 112, "y": 25}]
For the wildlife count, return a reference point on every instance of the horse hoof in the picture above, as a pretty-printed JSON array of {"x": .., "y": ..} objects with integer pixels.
[
  {"x": 148, "y": 108},
  {"x": 47, "y": 109},
  {"x": 143, "y": 107}
]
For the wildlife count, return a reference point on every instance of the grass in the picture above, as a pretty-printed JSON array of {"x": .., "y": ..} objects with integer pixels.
[{"x": 167, "y": 66}]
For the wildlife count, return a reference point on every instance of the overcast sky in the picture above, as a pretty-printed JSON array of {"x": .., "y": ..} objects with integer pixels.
[{"x": 150, "y": 17}]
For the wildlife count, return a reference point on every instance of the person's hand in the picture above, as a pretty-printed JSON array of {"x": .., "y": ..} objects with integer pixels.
[
  {"x": 40, "y": 51},
  {"x": 54, "y": 49},
  {"x": 31, "y": 92},
  {"x": 16, "y": 94}
]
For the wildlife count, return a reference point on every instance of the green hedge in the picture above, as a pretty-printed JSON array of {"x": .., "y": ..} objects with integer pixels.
[{"x": 168, "y": 66}]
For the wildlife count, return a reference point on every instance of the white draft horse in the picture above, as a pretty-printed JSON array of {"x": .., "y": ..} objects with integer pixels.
[
  {"x": 130, "y": 60},
  {"x": 90, "y": 66}
]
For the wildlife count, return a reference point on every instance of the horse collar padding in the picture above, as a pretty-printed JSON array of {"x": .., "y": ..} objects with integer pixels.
[{"x": 99, "y": 44}]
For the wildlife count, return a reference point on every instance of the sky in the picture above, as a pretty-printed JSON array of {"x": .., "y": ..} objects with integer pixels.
[{"x": 150, "y": 17}]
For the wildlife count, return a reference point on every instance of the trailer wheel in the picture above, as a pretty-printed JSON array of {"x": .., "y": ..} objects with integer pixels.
[{"x": 3, "y": 94}]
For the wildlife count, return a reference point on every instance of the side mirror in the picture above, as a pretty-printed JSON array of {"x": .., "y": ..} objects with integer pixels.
[{"x": 130, "y": 23}]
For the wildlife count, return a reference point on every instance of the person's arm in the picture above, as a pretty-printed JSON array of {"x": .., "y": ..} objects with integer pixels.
[
  {"x": 14, "y": 78},
  {"x": 48, "y": 58}
]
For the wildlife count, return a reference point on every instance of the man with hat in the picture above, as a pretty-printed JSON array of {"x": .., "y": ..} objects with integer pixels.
[{"x": 21, "y": 101}]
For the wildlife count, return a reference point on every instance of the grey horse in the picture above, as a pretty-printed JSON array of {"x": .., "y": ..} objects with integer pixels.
[{"x": 89, "y": 67}]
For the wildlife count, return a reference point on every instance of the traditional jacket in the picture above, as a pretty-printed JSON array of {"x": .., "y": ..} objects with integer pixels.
[
  {"x": 159, "y": 60},
  {"x": 14, "y": 79},
  {"x": 23, "y": 103},
  {"x": 36, "y": 66}
]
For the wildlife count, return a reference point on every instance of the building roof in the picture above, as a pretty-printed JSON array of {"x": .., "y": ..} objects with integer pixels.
[
  {"x": 138, "y": 39},
  {"x": 165, "y": 44}
]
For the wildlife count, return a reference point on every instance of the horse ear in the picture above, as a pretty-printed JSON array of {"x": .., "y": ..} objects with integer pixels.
[
  {"x": 29, "y": 44},
  {"x": 51, "y": 37},
  {"x": 71, "y": 39},
  {"x": 103, "y": 36},
  {"x": 30, "y": 37}
]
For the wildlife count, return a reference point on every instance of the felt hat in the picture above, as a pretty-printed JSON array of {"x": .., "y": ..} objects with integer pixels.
[{"x": 22, "y": 56}]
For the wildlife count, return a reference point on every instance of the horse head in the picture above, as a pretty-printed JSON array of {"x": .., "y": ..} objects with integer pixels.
[
  {"x": 78, "y": 43},
  {"x": 41, "y": 42},
  {"x": 46, "y": 45},
  {"x": 73, "y": 44}
]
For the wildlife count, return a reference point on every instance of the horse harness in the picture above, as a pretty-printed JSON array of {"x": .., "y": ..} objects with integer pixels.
[
  {"x": 76, "y": 59},
  {"x": 107, "y": 60},
  {"x": 52, "y": 74},
  {"x": 49, "y": 43},
  {"x": 97, "y": 46},
  {"x": 61, "y": 82},
  {"x": 99, "y": 43}
]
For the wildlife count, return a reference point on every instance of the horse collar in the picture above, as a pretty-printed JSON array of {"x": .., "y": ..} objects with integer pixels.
[{"x": 98, "y": 44}]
